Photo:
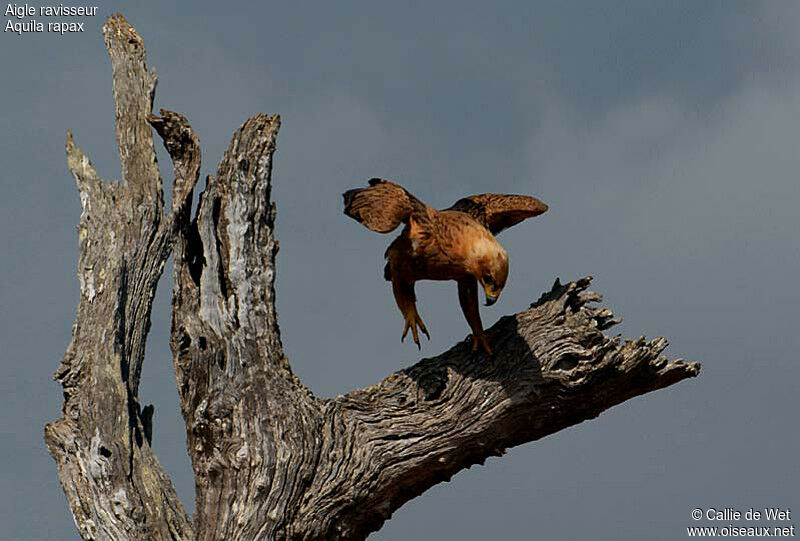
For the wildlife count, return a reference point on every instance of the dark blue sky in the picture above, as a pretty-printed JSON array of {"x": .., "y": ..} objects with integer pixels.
[{"x": 663, "y": 135}]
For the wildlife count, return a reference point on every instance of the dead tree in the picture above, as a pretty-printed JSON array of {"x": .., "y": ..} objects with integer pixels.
[{"x": 271, "y": 460}]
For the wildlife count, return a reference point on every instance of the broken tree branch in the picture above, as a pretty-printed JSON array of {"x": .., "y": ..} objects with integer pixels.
[{"x": 271, "y": 460}]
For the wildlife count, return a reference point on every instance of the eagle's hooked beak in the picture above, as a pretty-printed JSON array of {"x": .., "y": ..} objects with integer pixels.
[{"x": 490, "y": 300}]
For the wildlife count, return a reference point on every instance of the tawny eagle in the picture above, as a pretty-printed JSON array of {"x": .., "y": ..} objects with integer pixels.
[{"x": 457, "y": 243}]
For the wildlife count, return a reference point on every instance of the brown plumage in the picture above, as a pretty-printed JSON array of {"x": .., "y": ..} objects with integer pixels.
[{"x": 457, "y": 243}]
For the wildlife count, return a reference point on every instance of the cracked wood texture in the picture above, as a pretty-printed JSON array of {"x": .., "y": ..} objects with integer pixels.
[
  {"x": 114, "y": 484},
  {"x": 272, "y": 461}
]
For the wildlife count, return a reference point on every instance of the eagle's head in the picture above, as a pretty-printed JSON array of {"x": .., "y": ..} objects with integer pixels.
[{"x": 491, "y": 267}]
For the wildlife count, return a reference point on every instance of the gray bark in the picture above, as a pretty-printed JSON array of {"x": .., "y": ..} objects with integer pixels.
[
  {"x": 271, "y": 460},
  {"x": 113, "y": 481}
]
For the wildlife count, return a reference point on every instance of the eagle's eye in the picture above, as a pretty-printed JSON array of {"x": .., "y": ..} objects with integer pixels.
[{"x": 487, "y": 280}]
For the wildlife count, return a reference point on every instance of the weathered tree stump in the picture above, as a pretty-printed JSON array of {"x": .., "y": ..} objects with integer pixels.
[{"x": 272, "y": 461}]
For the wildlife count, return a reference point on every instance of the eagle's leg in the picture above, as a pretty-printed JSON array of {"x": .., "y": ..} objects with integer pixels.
[
  {"x": 407, "y": 302},
  {"x": 468, "y": 298}
]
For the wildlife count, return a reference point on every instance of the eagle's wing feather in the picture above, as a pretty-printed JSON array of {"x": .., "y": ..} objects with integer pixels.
[
  {"x": 382, "y": 206},
  {"x": 497, "y": 212}
]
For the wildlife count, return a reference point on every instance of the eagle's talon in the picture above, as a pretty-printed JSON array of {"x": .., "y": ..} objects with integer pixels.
[
  {"x": 414, "y": 322},
  {"x": 481, "y": 341},
  {"x": 422, "y": 327}
]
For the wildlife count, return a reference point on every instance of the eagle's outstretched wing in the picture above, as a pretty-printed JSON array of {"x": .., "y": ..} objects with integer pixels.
[
  {"x": 382, "y": 206},
  {"x": 497, "y": 212}
]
